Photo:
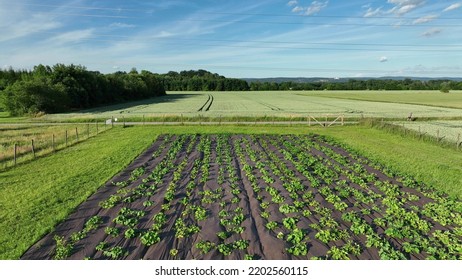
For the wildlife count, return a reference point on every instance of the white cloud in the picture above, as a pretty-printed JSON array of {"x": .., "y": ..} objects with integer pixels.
[
  {"x": 121, "y": 25},
  {"x": 432, "y": 32},
  {"x": 403, "y": 7},
  {"x": 372, "y": 13},
  {"x": 298, "y": 9},
  {"x": 23, "y": 27},
  {"x": 425, "y": 19},
  {"x": 72, "y": 36},
  {"x": 406, "y": 2},
  {"x": 453, "y": 7},
  {"x": 292, "y": 3},
  {"x": 314, "y": 8},
  {"x": 383, "y": 59}
]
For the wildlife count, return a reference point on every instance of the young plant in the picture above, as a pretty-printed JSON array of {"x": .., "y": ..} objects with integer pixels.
[
  {"x": 271, "y": 225},
  {"x": 150, "y": 237},
  {"x": 112, "y": 231},
  {"x": 63, "y": 249},
  {"x": 205, "y": 246}
]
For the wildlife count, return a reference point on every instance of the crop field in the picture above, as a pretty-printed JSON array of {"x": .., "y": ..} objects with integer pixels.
[
  {"x": 452, "y": 99},
  {"x": 450, "y": 131},
  {"x": 275, "y": 104},
  {"x": 234, "y": 196}
]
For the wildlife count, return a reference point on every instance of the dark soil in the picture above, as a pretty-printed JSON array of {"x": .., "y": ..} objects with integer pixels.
[{"x": 263, "y": 243}]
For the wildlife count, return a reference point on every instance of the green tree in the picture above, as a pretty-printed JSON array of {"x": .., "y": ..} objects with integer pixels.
[
  {"x": 445, "y": 87},
  {"x": 33, "y": 96}
]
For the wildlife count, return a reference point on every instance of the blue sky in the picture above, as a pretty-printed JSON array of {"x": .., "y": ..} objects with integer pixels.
[{"x": 291, "y": 38}]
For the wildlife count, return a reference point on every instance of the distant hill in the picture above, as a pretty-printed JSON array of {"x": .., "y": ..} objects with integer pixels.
[{"x": 341, "y": 80}]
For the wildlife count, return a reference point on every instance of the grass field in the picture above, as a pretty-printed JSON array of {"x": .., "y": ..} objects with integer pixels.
[
  {"x": 43, "y": 136},
  {"x": 32, "y": 203},
  {"x": 278, "y": 104},
  {"x": 6, "y": 118},
  {"x": 452, "y": 99},
  {"x": 448, "y": 131}
]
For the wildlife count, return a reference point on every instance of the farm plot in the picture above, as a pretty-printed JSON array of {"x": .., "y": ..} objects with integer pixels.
[
  {"x": 290, "y": 104},
  {"x": 450, "y": 131},
  {"x": 257, "y": 197}
]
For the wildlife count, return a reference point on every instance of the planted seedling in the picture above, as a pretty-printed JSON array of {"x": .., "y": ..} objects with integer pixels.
[
  {"x": 112, "y": 231},
  {"x": 205, "y": 246},
  {"x": 271, "y": 225},
  {"x": 63, "y": 249},
  {"x": 150, "y": 237},
  {"x": 130, "y": 233}
]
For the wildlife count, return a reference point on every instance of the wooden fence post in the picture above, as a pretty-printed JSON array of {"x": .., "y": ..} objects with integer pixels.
[
  {"x": 53, "y": 142},
  {"x": 76, "y": 134},
  {"x": 66, "y": 137},
  {"x": 123, "y": 118},
  {"x": 15, "y": 152},
  {"x": 309, "y": 121},
  {"x": 344, "y": 122},
  {"x": 438, "y": 135},
  {"x": 112, "y": 122},
  {"x": 33, "y": 148},
  {"x": 88, "y": 130},
  {"x": 96, "y": 126}
]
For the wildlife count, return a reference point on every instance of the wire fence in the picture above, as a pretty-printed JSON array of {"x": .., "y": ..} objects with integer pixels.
[
  {"x": 24, "y": 143},
  {"x": 444, "y": 133}
]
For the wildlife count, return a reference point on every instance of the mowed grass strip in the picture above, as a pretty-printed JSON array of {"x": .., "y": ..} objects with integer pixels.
[{"x": 35, "y": 196}]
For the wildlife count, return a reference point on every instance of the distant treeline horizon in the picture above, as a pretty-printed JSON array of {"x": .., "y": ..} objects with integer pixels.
[{"x": 64, "y": 88}]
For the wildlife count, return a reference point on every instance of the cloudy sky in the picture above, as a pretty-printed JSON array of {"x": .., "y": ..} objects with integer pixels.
[{"x": 292, "y": 38}]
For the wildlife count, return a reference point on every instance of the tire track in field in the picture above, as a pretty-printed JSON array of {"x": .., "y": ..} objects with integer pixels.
[
  {"x": 207, "y": 104},
  {"x": 271, "y": 107}
]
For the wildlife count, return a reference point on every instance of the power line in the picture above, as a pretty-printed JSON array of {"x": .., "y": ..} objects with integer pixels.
[
  {"x": 234, "y": 14},
  {"x": 247, "y": 14},
  {"x": 323, "y": 23},
  {"x": 384, "y": 47},
  {"x": 265, "y": 22}
]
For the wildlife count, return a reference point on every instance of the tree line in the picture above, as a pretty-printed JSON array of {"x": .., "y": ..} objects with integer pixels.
[
  {"x": 63, "y": 88},
  {"x": 201, "y": 80},
  {"x": 353, "y": 84}
]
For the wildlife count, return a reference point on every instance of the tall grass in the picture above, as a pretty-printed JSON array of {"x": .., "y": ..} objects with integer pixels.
[{"x": 34, "y": 141}]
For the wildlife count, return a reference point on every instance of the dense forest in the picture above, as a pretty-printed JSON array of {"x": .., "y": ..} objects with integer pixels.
[
  {"x": 64, "y": 88},
  {"x": 201, "y": 80}
]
